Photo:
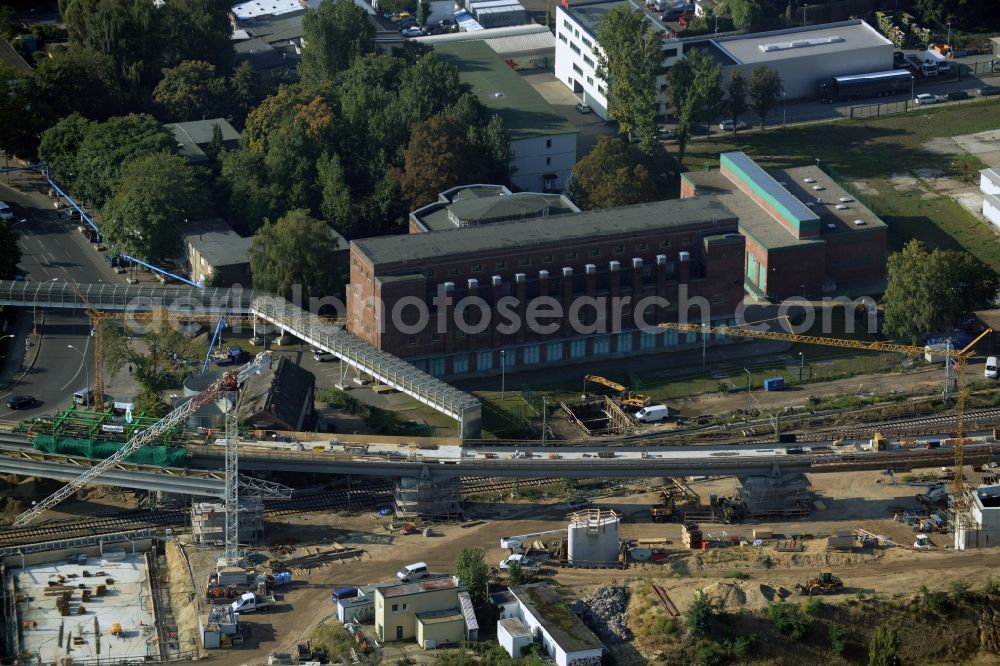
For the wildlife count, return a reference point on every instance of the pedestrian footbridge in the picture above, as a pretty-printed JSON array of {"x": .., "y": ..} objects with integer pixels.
[{"x": 290, "y": 318}]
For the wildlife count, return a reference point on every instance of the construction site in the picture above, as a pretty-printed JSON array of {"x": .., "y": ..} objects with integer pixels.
[{"x": 222, "y": 539}]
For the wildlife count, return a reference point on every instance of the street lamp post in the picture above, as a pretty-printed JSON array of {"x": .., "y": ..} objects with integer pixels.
[
  {"x": 748, "y": 395},
  {"x": 503, "y": 373},
  {"x": 804, "y": 8},
  {"x": 784, "y": 109},
  {"x": 86, "y": 367},
  {"x": 545, "y": 409},
  {"x": 802, "y": 365},
  {"x": 949, "y": 35}
]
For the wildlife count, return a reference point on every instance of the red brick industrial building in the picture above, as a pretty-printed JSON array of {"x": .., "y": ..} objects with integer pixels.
[
  {"x": 680, "y": 251},
  {"x": 805, "y": 235}
]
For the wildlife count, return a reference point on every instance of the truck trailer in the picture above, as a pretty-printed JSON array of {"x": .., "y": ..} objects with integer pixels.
[{"x": 874, "y": 84}]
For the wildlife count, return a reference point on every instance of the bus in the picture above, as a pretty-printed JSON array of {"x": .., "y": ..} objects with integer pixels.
[{"x": 875, "y": 84}]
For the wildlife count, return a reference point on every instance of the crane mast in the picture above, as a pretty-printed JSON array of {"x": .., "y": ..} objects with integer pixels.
[{"x": 228, "y": 385}]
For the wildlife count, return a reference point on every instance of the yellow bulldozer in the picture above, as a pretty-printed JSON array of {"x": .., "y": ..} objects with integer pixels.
[{"x": 827, "y": 583}]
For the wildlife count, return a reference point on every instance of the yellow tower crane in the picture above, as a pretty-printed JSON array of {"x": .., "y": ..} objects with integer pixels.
[
  {"x": 161, "y": 315},
  {"x": 959, "y": 356}
]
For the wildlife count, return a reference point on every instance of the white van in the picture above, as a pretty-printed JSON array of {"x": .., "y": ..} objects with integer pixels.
[
  {"x": 412, "y": 572},
  {"x": 991, "y": 368},
  {"x": 652, "y": 414},
  {"x": 83, "y": 397}
]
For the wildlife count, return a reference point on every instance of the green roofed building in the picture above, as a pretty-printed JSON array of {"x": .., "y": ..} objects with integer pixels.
[{"x": 542, "y": 141}]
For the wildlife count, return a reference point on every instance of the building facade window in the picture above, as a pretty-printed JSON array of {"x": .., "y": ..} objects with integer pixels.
[
  {"x": 567, "y": 25},
  {"x": 587, "y": 42},
  {"x": 484, "y": 360},
  {"x": 624, "y": 342},
  {"x": 595, "y": 253},
  {"x": 602, "y": 345},
  {"x": 460, "y": 364},
  {"x": 554, "y": 351},
  {"x": 532, "y": 354},
  {"x": 435, "y": 366},
  {"x": 571, "y": 256},
  {"x": 670, "y": 338},
  {"x": 665, "y": 243},
  {"x": 477, "y": 268},
  {"x": 524, "y": 262},
  {"x": 590, "y": 63},
  {"x": 576, "y": 67},
  {"x": 435, "y": 337},
  {"x": 412, "y": 341},
  {"x": 548, "y": 143},
  {"x": 648, "y": 340},
  {"x": 642, "y": 246},
  {"x": 562, "y": 38},
  {"x": 577, "y": 348},
  {"x": 547, "y": 259},
  {"x": 501, "y": 265}
]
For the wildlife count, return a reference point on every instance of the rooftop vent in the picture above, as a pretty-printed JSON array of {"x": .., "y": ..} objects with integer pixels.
[
  {"x": 859, "y": 223},
  {"x": 799, "y": 43},
  {"x": 810, "y": 204},
  {"x": 808, "y": 180},
  {"x": 831, "y": 226},
  {"x": 842, "y": 206},
  {"x": 845, "y": 199},
  {"x": 818, "y": 187},
  {"x": 819, "y": 200}
]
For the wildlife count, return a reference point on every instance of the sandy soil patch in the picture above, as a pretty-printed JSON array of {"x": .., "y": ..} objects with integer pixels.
[{"x": 864, "y": 188}]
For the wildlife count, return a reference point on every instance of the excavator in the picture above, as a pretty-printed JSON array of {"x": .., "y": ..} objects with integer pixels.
[
  {"x": 626, "y": 397},
  {"x": 827, "y": 583}
]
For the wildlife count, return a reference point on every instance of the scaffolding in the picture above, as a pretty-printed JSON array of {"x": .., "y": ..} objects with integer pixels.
[
  {"x": 100, "y": 425},
  {"x": 774, "y": 496},
  {"x": 208, "y": 521},
  {"x": 428, "y": 498}
]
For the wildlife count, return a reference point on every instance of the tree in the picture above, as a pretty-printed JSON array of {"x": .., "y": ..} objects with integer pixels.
[
  {"x": 196, "y": 30},
  {"x": 114, "y": 345},
  {"x": 574, "y": 192},
  {"x": 471, "y": 569},
  {"x": 516, "y": 574},
  {"x": 336, "y": 197},
  {"x": 496, "y": 142},
  {"x": 191, "y": 91},
  {"x": 60, "y": 146},
  {"x": 745, "y": 13},
  {"x": 700, "y": 612},
  {"x": 440, "y": 154},
  {"x": 629, "y": 59},
  {"x": 614, "y": 173},
  {"x": 214, "y": 147},
  {"x": 787, "y": 619},
  {"x": 245, "y": 91},
  {"x": 423, "y": 12},
  {"x": 736, "y": 102},
  {"x": 765, "y": 90},
  {"x": 153, "y": 199},
  {"x": 295, "y": 250},
  {"x": 335, "y": 33},
  {"x": 927, "y": 291},
  {"x": 250, "y": 194},
  {"x": 10, "y": 251},
  {"x": 429, "y": 87},
  {"x": 108, "y": 146},
  {"x": 122, "y": 30},
  {"x": 882, "y": 646},
  {"x": 694, "y": 89},
  {"x": 77, "y": 80}
]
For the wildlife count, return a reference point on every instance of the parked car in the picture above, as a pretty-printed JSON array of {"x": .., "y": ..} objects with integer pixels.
[
  {"x": 21, "y": 402},
  {"x": 925, "y": 98},
  {"x": 412, "y": 31},
  {"x": 727, "y": 125},
  {"x": 898, "y": 59},
  {"x": 5, "y": 212},
  {"x": 957, "y": 94},
  {"x": 519, "y": 558},
  {"x": 402, "y": 16},
  {"x": 323, "y": 357},
  {"x": 986, "y": 91},
  {"x": 583, "y": 108},
  {"x": 664, "y": 133}
]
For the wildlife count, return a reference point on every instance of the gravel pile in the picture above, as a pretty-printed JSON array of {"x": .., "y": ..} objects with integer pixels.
[{"x": 605, "y": 612}]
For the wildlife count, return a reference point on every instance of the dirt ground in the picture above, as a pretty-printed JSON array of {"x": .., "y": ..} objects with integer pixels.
[
  {"x": 876, "y": 384},
  {"x": 852, "y": 500}
]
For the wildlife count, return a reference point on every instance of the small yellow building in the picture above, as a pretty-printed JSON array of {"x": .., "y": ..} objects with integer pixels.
[
  {"x": 397, "y": 606},
  {"x": 437, "y": 628}
]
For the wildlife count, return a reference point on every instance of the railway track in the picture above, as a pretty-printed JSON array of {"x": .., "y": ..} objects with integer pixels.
[{"x": 366, "y": 497}]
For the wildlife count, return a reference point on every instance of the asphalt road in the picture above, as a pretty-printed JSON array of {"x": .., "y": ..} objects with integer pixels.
[{"x": 52, "y": 250}]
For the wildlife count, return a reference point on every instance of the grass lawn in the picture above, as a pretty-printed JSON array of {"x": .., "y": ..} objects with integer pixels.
[{"x": 872, "y": 151}]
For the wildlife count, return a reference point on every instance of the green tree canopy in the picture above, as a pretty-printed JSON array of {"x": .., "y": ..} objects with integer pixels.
[
  {"x": 295, "y": 250},
  {"x": 81, "y": 81},
  {"x": 108, "y": 146},
  {"x": 883, "y": 646},
  {"x": 694, "y": 90},
  {"x": 153, "y": 199},
  {"x": 765, "y": 90},
  {"x": 931, "y": 290},
  {"x": 440, "y": 154},
  {"x": 191, "y": 91},
  {"x": 471, "y": 569},
  {"x": 736, "y": 100},
  {"x": 746, "y": 14},
  {"x": 60, "y": 146},
  {"x": 629, "y": 59},
  {"x": 614, "y": 173},
  {"x": 250, "y": 194},
  {"x": 20, "y": 136},
  {"x": 335, "y": 33}
]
